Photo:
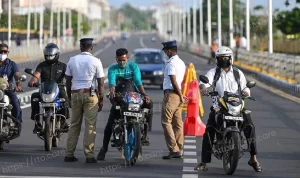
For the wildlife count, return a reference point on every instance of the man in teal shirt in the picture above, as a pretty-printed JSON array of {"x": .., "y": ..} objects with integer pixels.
[{"x": 131, "y": 73}]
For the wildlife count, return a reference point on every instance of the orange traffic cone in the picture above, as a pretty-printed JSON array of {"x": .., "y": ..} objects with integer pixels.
[{"x": 193, "y": 126}]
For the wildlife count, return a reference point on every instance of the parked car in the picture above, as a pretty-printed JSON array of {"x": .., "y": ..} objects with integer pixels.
[{"x": 151, "y": 62}]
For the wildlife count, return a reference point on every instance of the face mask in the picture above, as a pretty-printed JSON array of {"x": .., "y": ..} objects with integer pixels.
[
  {"x": 122, "y": 64},
  {"x": 224, "y": 64},
  {"x": 3, "y": 57}
]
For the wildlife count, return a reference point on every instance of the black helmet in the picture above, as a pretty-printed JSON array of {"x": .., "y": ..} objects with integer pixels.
[{"x": 51, "y": 53}]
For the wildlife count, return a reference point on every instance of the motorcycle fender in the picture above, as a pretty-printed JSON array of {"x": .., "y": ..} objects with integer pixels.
[
  {"x": 47, "y": 115},
  {"x": 230, "y": 129}
]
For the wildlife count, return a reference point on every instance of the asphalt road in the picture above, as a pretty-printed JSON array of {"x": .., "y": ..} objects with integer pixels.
[{"x": 276, "y": 119}]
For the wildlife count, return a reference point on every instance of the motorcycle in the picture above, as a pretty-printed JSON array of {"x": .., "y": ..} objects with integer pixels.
[
  {"x": 50, "y": 104},
  {"x": 10, "y": 127},
  {"x": 129, "y": 128},
  {"x": 229, "y": 143}
]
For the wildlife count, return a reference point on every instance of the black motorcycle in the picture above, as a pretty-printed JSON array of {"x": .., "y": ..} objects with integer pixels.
[
  {"x": 229, "y": 142},
  {"x": 10, "y": 127},
  {"x": 51, "y": 104},
  {"x": 128, "y": 129}
]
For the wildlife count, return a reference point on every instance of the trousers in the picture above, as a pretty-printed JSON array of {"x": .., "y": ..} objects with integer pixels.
[
  {"x": 16, "y": 111},
  {"x": 115, "y": 114},
  {"x": 210, "y": 133},
  {"x": 171, "y": 120},
  {"x": 35, "y": 108},
  {"x": 83, "y": 105}
]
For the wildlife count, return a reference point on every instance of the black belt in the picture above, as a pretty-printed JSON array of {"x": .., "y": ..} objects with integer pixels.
[{"x": 169, "y": 90}]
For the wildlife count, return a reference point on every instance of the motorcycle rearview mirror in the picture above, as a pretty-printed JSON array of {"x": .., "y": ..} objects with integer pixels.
[
  {"x": 22, "y": 78},
  {"x": 203, "y": 79},
  {"x": 251, "y": 84},
  {"x": 28, "y": 71}
]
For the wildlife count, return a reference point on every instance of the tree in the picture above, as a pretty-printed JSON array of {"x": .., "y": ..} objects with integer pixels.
[{"x": 288, "y": 22}]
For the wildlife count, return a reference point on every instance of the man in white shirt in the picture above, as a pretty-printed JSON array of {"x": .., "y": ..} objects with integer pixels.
[
  {"x": 81, "y": 71},
  {"x": 227, "y": 81},
  {"x": 171, "y": 109}
]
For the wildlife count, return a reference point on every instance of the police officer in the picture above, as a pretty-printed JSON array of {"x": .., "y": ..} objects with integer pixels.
[
  {"x": 81, "y": 72},
  {"x": 10, "y": 71},
  {"x": 49, "y": 70},
  {"x": 171, "y": 118}
]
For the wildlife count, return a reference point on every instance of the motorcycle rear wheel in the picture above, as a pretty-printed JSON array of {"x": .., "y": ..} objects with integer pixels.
[{"x": 231, "y": 156}]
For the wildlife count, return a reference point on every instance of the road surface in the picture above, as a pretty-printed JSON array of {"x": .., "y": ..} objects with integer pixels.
[{"x": 277, "y": 127}]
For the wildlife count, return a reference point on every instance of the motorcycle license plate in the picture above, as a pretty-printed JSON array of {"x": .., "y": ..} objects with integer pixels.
[
  {"x": 234, "y": 118},
  {"x": 133, "y": 114},
  {"x": 47, "y": 104},
  {"x": 2, "y": 104}
]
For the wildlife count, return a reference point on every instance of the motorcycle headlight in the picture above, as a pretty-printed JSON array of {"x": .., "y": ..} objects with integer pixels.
[
  {"x": 159, "y": 72},
  {"x": 48, "y": 97},
  {"x": 234, "y": 110},
  {"x": 133, "y": 107},
  {"x": 1, "y": 94}
]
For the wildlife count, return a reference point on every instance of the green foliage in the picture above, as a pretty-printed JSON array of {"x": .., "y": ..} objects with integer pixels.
[
  {"x": 136, "y": 19},
  {"x": 288, "y": 22}
]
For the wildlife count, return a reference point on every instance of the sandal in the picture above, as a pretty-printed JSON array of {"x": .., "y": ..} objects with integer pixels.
[
  {"x": 201, "y": 167},
  {"x": 256, "y": 166}
]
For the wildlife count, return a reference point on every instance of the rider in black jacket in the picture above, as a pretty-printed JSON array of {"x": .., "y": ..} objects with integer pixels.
[{"x": 49, "y": 70}]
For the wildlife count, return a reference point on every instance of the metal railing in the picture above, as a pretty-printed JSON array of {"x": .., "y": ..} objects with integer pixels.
[{"x": 278, "y": 70}]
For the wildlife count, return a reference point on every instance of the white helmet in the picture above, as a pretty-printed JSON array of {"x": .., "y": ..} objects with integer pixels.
[{"x": 224, "y": 57}]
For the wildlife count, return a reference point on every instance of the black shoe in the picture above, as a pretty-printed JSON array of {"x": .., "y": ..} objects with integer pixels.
[
  {"x": 172, "y": 155},
  {"x": 37, "y": 128},
  {"x": 70, "y": 159},
  {"x": 91, "y": 160},
  {"x": 145, "y": 141},
  {"x": 101, "y": 154}
]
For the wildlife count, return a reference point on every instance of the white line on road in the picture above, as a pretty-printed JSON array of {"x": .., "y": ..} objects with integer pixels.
[
  {"x": 189, "y": 175},
  {"x": 190, "y": 141},
  {"x": 188, "y": 169},
  {"x": 142, "y": 42},
  {"x": 190, "y": 161},
  {"x": 189, "y": 147},
  {"x": 102, "y": 49},
  {"x": 190, "y": 153}
]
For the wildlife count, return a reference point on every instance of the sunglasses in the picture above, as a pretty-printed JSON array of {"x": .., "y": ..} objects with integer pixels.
[{"x": 3, "y": 51}]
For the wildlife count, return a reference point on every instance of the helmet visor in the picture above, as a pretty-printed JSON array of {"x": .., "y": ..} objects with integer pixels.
[
  {"x": 50, "y": 53},
  {"x": 223, "y": 58}
]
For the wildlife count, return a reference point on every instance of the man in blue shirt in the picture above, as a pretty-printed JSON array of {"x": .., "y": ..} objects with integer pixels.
[
  {"x": 128, "y": 71},
  {"x": 9, "y": 70}
]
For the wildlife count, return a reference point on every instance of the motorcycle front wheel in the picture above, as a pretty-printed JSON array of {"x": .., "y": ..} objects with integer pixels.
[
  {"x": 231, "y": 155},
  {"x": 47, "y": 134}
]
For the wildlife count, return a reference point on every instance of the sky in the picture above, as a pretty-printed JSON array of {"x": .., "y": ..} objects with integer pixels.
[{"x": 276, "y": 3}]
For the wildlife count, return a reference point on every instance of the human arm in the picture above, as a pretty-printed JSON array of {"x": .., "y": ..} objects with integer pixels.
[
  {"x": 68, "y": 76},
  {"x": 16, "y": 73},
  {"x": 111, "y": 81},
  {"x": 210, "y": 75},
  {"x": 137, "y": 79},
  {"x": 171, "y": 72},
  {"x": 243, "y": 83},
  {"x": 100, "y": 81},
  {"x": 37, "y": 74}
]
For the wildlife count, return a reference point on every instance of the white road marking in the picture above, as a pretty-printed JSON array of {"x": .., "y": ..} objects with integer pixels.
[
  {"x": 189, "y": 175},
  {"x": 190, "y": 153},
  {"x": 189, "y": 147},
  {"x": 190, "y": 161},
  {"x": 188, "y": 169},
  {"x": 190, "y": 141}
]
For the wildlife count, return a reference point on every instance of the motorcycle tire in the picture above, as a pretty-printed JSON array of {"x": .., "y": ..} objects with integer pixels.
[
  {"x": 137, "y": 145},
  {"x": 47, "y": 134},
  {"x": 234, "y": 154}
]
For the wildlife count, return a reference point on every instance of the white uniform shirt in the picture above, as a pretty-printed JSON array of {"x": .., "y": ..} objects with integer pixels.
[
  {"x": 174, "y": 66},
  {"x": 226, "y": 82},
  {"x": 84, "y": 68}
]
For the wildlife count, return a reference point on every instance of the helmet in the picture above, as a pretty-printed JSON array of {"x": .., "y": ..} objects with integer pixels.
[
  {"x": 51, "y": 53},
  {"x": 224, "y": 57}
]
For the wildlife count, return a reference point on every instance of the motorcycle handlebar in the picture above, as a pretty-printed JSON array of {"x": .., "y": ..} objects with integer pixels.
[{"x": 38, "y": 84}]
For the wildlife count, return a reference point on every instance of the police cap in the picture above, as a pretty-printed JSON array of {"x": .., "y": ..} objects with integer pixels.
[
  {"x": 86, "y": 41},
  {"x": 169, "y": 44}
]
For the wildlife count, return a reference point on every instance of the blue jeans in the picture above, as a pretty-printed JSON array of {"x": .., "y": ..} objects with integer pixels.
[{"x": 16, "y": 110}]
